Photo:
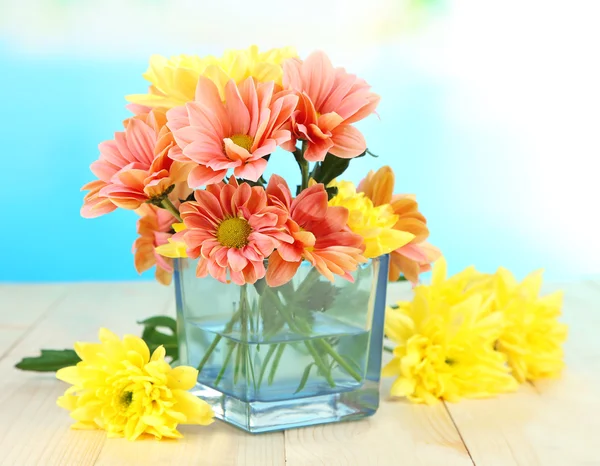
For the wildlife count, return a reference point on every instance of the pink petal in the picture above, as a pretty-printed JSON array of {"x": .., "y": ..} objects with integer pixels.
[
  {"x": 366, "y": 110},
  {"x": 202, "y": 268},
  {"x": 249, "y": 95},
  {"x": 236, "y": 260},
  {"x": 208, "y": 95},
  {"x": 289, "y": 252},
  {"x": 310, "y": 204},
  {"x": 413, "y": 252},
  {"x": 200, "y": 176},
  {"x": 235, "y": 152},
  {"x": 177, "y": 118},
  {"x": 141, "y": 140},
  {"x": 341, "y": 87},
  {"x": 318, "y": 76},
  {"x": 291, "y": 74},
  {"x": 207, "y": 119},
  {"x": 317, "y": 151},
  {"x": 263, "y": 243},
  {"x": 278, "y": 192},
  {"x": 348, "y": 142},
  {"x": 279, "y": 272},
  {"x": 268, "y": 147},
  {"x": 329, "y": 121},
  {"x": 252, "y": 170},
  {"x": 97, "y": 207},
  {"x": 237, "y": 112}
]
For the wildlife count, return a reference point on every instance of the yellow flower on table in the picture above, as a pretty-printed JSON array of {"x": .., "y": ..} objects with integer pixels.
[
  {"x": 173, "y": 80},
  {"x": 446, "y": 337},
  {"x": 532, "y": 337},
  {"x": 374, "y": 224},
  {"x": 120, "y": 388}
]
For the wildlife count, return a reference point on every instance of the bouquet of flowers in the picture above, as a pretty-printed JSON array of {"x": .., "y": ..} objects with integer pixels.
[{"x": 191, "y": 163}]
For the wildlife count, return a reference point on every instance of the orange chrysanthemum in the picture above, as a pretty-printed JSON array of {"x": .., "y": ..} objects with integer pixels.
[
  {"x": 154, "y": 229},
  {"x": 415, "y": 257}
]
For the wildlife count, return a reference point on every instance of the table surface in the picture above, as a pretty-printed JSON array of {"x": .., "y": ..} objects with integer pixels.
[{"x": 544, "y": 423}]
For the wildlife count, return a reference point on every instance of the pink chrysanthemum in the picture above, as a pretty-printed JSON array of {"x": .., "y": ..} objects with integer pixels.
[
  {"x": 231, "y": 229},
  {"x": 134, "y": 167},
  {"x": 320, "y": 233},
  {"x": 236, "y": 134},
  {"x": 330, "y": 101}
]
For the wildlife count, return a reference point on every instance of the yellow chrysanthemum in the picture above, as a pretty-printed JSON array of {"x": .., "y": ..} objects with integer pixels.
[
  {"x": 173, "y": 80},
  {"x": 446, "y": 339},
  {"x": 120, "y": 388},
  {"x": 374, "y": 224},
  {"x": 173, "y": 249},
  {"x": 532, "y": 337}
]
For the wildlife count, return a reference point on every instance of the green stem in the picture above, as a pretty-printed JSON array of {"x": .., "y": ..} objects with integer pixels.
[
  {"x": 238, "y": 359},
  {"x": 209, "y": 351},
  {"x": 341, "y": 361},
  {"x": 303, "y": 164},
  {"x": 309, "y": 344},
  {"x": 276, "y": 363},
  {"x": 304, "y": 328},
  {"x": 227, "y": 329},
  {"x": 265, "y": 363},
  {"x": 167, "y": 204},
  {"x": 225, "y": 364}
]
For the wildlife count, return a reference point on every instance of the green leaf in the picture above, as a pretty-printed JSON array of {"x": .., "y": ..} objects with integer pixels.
[
  {"x": 320, "y": 296},
  {"x": 155, "y": 338},
  {"x": 331, "y": 192},
  {"x": 304, "y": 378},
  {"x": 329, "y": 169},
  {"x": 49, "y": 361},
  {"x": 160, "y": 321}
]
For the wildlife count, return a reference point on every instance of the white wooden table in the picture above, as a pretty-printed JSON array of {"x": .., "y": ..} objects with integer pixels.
[{"x": 545, "y": 423}]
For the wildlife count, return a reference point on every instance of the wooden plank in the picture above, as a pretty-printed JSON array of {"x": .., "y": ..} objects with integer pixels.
[
  {"x": 399, "y": 433},
  {"x": 21, "y": 305},
  {"x": 33, "y": 430},
  {"x": 215, "y": 445},
  {"x": 8, "y": 337},
  {"x": 549, "y": 422}
]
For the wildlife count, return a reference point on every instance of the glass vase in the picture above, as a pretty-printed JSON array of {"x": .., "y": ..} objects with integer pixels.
[{"x": 307, "y": 352}]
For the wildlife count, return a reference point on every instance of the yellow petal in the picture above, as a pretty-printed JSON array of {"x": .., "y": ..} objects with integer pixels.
[
  {"x": 88, "y": 351},
  {"x": 403, "y": 386},
  {"x": 106, "y": 335},
  {"x": 390, "y": 369},
  {"x": 178, "y": 227},
  {"x": 158, "y": 354},
  {"x": 439, "y": 272},
  {"x": 196, "y": 411},
  {"x": 70, "y": 375},
  {"x": 137, "y": 345},
  {"x": 67, "y": 402},
  {"x": 182, "y": 377},
  {"x": 173, "y": 249}
]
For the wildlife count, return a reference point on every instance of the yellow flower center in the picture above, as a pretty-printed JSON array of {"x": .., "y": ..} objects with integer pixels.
[
  {"x": 243, "y": 141},
  {"x": 125, "y": 399},
  {"x": 234, "y": 232}
]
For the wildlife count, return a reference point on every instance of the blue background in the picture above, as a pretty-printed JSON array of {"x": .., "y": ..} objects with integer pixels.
[{"x": 496, "y": 134}]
